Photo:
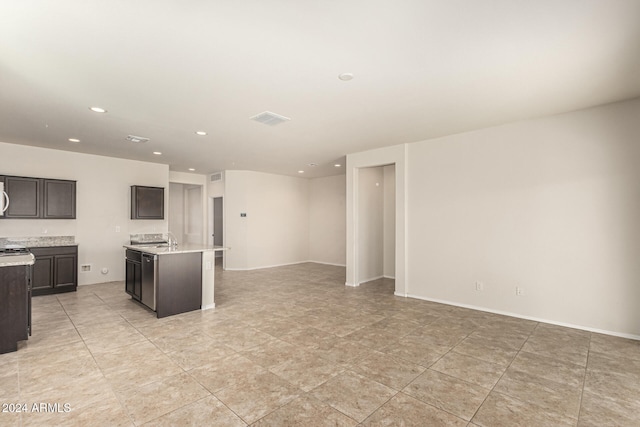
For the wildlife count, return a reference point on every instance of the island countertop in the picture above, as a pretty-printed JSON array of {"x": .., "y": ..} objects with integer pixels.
[
  {"x": 15, "y": 260},
  {"x": 180, "y": 249}
]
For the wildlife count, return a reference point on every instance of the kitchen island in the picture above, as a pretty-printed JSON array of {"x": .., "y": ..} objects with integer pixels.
[
  {"x": 15, "y": 299},
  {"x": 171, "y": 279}
]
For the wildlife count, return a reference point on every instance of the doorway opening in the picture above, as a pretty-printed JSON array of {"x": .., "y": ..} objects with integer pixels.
[
  {"x": 376, "y": 224},
  {"x": 185, "y": 212},
  {"x": 216, "y": 224}
]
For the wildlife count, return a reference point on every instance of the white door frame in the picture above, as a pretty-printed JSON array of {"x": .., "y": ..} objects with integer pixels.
[{"x": 380, "y": 157}]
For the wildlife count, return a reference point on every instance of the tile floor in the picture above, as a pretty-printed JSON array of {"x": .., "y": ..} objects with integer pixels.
[{"x": 294, "y": 346}]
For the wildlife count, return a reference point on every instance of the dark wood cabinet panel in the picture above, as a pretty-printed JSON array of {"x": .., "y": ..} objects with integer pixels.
[
  {"x": 55, "y": 270},
  {"x": 40, "y": 198},
  {"x": 15, "y": 307},
  {"x": 43, "y": 272},
  {"x": 59, "y": 200},
  {"x": 66, "y": 270},
  {"x": 179, "y": 283},
  {"x": 24, "y": 197},
  {"x": 170, "y": 283},
  {"x": 147, "y": 202},
  {"x": 133, "y": 278}
]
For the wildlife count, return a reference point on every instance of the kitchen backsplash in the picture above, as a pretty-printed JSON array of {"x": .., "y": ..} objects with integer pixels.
[
  {"x": 148, "y": 237},
  {"x": 34, "y": 242}
]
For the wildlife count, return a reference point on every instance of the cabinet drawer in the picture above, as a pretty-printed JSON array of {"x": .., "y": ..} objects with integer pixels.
[
  {"x": 54, "y": 250},
  {"x": 133, "y": 255}
]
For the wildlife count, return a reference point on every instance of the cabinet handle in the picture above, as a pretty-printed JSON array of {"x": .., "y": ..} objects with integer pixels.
[{"x": 5, "y": 196}]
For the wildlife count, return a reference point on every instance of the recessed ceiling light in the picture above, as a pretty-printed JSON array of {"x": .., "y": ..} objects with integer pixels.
[
  {"x": 157, "y": 153},
  {"x": 345, "y": 77},
  {"x": 337, "y": 165},
  {"x": 191, "y": 169},
  {"x": 98, "y": 109},
  {"x": 300, "y": 171},
  {"x": 201, "y": 133},
  {"x": 74, "y": 140}
]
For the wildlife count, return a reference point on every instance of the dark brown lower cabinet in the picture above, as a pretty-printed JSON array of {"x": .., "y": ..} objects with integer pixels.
[
  {"x": 15, "y": 306},
  {"x": 167, "y": 283},
  {"x": 133, "y": 274},
  {"x": 179, "y": 283},
  {"x": 55, "y": 270}
]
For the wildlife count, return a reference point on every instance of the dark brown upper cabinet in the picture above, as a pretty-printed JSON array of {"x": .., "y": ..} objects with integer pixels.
[
  {"x": 24, "y": 197},
  {"x": 147, "y": 202},
  {"x": 40, "y": 198},
  {"x": 59, "y": 199}
]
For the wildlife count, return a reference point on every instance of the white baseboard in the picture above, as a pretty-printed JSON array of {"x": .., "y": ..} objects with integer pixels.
[
  {"x": 389, "y": 277},
  {"x": 208, "y": 307},
  {"x": 520, "y": 316},
  {"x": 265, "y": 266},
  {"x": 371, "y": 279},
  {"x": 353, "y": 285},
  {"x": 283, "y": 265},
  {"x": 327, "y": 263}
]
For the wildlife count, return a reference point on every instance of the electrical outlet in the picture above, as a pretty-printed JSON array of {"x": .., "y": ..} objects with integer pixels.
[
  {"x": 519, "y": 291},
  {"x": 117, "y": 228},
  {"x": 479, "y": 286}
]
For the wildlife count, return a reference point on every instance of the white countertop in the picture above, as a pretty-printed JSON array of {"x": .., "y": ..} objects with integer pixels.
[
  {"x": 12, "y": 260},
  {"x": 180, "y": 249}
]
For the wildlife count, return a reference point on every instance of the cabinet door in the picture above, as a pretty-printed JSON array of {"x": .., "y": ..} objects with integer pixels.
[
  {"x": 24, "y": 197},
  {"x": 65, "y": 270},
  {"x": 133, "y": 278},
  {"x": 59, "y": 199},
  {"x": 55, "y": 270},
  {"x": 42, "y": 273},
  {"x": 147, "y": 202}
]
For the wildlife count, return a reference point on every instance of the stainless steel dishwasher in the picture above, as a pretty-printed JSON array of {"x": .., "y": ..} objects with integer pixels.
[{"x": 149, "y": 278}]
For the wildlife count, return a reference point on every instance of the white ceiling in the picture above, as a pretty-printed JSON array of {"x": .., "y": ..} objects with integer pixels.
[{"x": 423, "y": 68}]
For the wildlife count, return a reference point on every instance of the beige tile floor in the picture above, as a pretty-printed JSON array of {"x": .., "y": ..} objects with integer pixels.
[{"x": 294, "y": 346}]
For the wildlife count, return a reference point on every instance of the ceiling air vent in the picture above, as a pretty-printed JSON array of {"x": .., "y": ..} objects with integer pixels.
[
  {"x": 136, "y": 139},
  {"x": 216, "y": 177},
  {"x": 269, "y": 118}
]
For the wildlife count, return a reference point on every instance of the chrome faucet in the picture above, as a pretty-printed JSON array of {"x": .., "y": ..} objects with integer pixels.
[{"x": 173, "y": 242}]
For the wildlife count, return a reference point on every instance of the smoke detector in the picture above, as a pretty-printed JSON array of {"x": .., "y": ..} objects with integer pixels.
[
  {"x": 136, "y": 139},
  {"x": 269, "y": 118}
]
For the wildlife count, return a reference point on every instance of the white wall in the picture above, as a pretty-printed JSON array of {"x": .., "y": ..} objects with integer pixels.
[
  {"x": 389, "y": 222},
  {"x": 103, "y": 202},
  {"x": 176, "y": 210},
  {"x": 370, "y": 224},
  {"x": 550, "y": 205},
  {"x": 327, "y": 220},
  {"x": 276, "y": 228},
  {"x": 194, "y": 225}
]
